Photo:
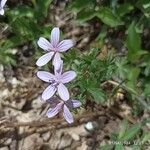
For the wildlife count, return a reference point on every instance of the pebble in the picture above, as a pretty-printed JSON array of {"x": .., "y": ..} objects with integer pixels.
[
  {"x": 46, "y": 136},
  {"x": 4, "y": 148},
  {"x": 65, "y": 142},
  {"x": 8, "y": 141}
]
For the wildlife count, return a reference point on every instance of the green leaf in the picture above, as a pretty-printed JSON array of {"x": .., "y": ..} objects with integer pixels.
[
  {"x": 85, "y": 15},
  {"x": 106, "y": 147},
  {"x": 144, "y": 5},
  {"x": 97, "y": 94},
  {"x": 119, "y": 147},
  {"x": 146, "y": 138},
  {"x": 123, "y": 129},
  {"x": 135, "y": 147},
  {"x": 21, "y": 11},
  {"x": 147, "y": 89},
  {"x": 134, "y": 44},
  {"x": 124, "y": 9},
  {"x": 100, "y": 38},
  {"x": 131, "y": 133},
  {"x": 41, "y": 9},
  {"x": 133, "y": 38},
  {"x": 132, "y": 77},
  {"x": 107, "y": 17},
  {"x": 24, "y": 28},
  {"x": 78, "y": 5}
]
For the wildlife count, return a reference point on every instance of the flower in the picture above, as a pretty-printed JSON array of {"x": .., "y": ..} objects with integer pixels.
[
  {"x": 2, "y": 4},
  {"x": 57, "y": 81},
  {"x": 63, "y": 106},
  {"x": 53, "y": 48}
]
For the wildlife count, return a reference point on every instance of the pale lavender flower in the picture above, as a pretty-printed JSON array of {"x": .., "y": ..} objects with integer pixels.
[
  {"x": 2, "y": 4},
  {"x": 53, "y": 48},
  {"x": 57, "y": 81},
  {"x": 63, "y": 106}
]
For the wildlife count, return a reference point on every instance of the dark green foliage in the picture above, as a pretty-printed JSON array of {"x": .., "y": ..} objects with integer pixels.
[
  {"x": 25, "y": 25},
  {"x": 128, "y": 136},
  {"x": 91, "y": 72}
]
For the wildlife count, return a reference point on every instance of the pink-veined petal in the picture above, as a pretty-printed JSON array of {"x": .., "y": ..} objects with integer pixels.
[
  {"x": 65, "y": 45},
  {"x": 44, "y": 59},
  {"x": 54, "y": 111},
  {"x": 76, "y": 103},
  {"x": 68, "y": 76},
  {"x": 45, "y": 76},
  {"x": 2, "y": 3},
  {"x": 67, "y": 115},
  {"x": 48, "y": 92},
  {"x": 57, "y": 62},
  {"x": 2, "y": 11},
  {"x": 63, "y": 92},
  {"x": 55, "y": 34},
  {"x": 44, "y": 44}
]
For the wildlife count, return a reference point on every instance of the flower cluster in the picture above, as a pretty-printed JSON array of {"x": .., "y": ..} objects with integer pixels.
[
  {"x": 2, "y": 4},
  {"x": 57, "y": 80}
]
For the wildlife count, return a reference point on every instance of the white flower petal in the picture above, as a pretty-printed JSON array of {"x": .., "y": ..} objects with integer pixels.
[
  {"x": 57, "y": 62},
  {"x": 44, "y": 59},
  {"x": 54, "y": 111},
  {"x": 48, "y": 92},
  {"x": 44, "y": 44},
  {"x": 45, "y": 76},
  {"x": 2, "y": 3},
  {"x": 55, "y": 34},
  {"x": 68, "y": 76},
  {"x": 2, "y": 11},
  {"x": 65, "y": 45},
  {"x": 67, "y": 115},
  {"x": 63, "y": 92},
  {"x": 76, "y": 103}
]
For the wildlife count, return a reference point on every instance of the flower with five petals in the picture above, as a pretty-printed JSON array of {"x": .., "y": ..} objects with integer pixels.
[
  {"x": 57, "y": 81},
  {"x": 53, "y": 48}
]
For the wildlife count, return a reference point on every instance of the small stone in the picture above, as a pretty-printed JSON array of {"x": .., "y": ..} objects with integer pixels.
[
  {"x": 89, "y": 126},
  {"x": 4, "y": 94},
  {"x": 30, "y": 116},
  {"x": 18, "y": 105},
  {"x": 79, "y": 130},
  {"x": 13, "y": 144},
  {"x": 37, "y": 103},
  {"x": 33, "y": 141},
  {"x": 46, "y": 136},
  {"x": 65, "y": 141},
  {"x": 4, "y": 148},
  {"x": 8, "y": 141},
  {"x": 75, "y": 136},
  {"x": 55, "y": 140},
  {"x": 14, "y": 81},
  {"x": 45, "y": 147},
  {"x": 83, "y": 146},
  {"x": 75, "y": 144}
]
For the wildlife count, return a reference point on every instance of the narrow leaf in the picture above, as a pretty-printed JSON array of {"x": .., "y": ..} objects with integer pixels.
[{"x": 132, "y": 132}]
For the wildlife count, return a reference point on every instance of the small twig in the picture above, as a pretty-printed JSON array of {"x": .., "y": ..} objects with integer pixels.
[
  {"x": 48, "y": 124},
  {"x": 111, "y": 82},
  {"x": 38, "y": 123}
]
